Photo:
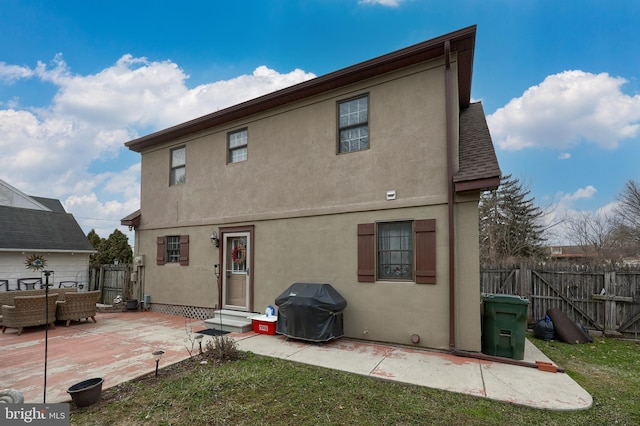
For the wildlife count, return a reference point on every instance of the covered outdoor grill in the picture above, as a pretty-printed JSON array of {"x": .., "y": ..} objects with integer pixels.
[{"x": 310, "y": 311}]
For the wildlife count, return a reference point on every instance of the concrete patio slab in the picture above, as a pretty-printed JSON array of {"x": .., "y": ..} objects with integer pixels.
[
  {"x": 119, "y": 348},
  {"x": 433, "y": 369},
  {"x": 438, "y": 370}
]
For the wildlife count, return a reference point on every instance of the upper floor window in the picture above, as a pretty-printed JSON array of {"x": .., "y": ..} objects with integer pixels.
[
  {"x": 178, "y": 165},
  {"x": 353, "y": 124},
  {"x": 238, "y": 146}
]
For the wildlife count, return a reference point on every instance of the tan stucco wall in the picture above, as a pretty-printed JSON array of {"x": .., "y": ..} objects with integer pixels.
[
  {"x": 305, "y": 202},
  {"x": 324, "y": 249},
  {"x": 292, "y": 167}
]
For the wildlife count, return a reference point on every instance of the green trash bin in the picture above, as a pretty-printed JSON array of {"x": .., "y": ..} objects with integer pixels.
[{"x": 504, "y": 325}]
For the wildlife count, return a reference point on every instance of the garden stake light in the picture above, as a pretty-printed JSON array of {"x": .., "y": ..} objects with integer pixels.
[
  {"x": 199, "y": 340},
  {"x": 157, "y": 355}
]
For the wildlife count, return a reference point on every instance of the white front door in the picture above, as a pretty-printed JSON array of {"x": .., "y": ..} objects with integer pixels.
[{"x": 235, "y": 274}]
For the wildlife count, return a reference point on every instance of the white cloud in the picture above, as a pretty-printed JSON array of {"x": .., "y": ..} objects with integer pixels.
[
  {"x": 580, "y": 194},
  {"x": 564, "y": 156},
  {"x": 55, "y": 151},
  {"x": 390, "y": 3},
  {"x": 566, "y": 109},
  {"x": 561, "y": 211},
  {"x": 11, "y": 73}
]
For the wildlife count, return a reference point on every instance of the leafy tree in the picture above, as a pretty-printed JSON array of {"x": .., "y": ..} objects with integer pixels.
[
  {"x": 115, "y": 247},
  {"x": 510, "y": 224}
]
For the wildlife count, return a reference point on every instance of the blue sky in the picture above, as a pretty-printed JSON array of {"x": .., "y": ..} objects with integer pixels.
[{"x": 559, "y": 82}]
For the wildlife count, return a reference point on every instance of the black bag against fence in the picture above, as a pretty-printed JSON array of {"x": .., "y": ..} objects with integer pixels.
[{"x": 544, "y": 329}]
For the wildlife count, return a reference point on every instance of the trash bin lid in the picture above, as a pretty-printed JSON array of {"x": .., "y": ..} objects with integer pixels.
[{"x": 504, "y": 298}]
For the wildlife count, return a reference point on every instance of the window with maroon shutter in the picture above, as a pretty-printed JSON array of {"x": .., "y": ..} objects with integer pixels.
[
  {"x": 425, "y": 236},
  {"x": 160, "y": 250},
  {"x": 366, "y": 253},
  {"x": 423, "y": 246},
  {"x": 172, "y": 249}
]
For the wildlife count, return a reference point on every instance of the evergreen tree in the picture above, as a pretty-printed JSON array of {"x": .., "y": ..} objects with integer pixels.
[
  {"x": 115, "y": 247},
  {"x": 510, "y": 224},
  {"x": 95, "y": 241}
]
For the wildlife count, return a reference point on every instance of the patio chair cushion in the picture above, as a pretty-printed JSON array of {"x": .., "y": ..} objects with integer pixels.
[
  {"x": 77, "y": 306},
  {"x": 29, "y": 311},
  {"x": 6, "y": 297}
]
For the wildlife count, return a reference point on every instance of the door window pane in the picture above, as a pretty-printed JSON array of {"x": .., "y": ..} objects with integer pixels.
[{"x": 239, "y": 255}]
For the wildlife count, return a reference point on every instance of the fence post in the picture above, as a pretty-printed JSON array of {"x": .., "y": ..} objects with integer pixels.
[
  {"x": 610, "y": 311},
  {"x": 524, "y": 281}
]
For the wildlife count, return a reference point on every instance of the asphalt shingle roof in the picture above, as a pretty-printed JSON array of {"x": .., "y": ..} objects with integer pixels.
[
  {"x": 50, "y": 203},
  {"x": 477, "y": 154},
  {"x": 28, "y": 229}
]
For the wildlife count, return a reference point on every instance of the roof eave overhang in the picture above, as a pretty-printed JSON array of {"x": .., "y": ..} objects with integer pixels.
[
  {"x": 477, "y": 185},
  {"x": 46, "y": 250},
  {"x": 132, "y": 220},
  {"x": 462, "y": 42}
]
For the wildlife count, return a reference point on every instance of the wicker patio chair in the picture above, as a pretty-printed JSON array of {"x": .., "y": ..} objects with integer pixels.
[
  {"x": 29, "y": 311},
  {"x": 77, "y": 306}
]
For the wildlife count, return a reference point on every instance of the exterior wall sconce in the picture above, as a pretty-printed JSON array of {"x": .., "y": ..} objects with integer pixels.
[
  {"x": 214, "y": 239},
  {"x": 157, "y": 355}
]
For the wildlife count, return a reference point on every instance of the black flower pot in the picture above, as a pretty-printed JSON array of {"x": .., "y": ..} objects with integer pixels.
[{"x": 87, "y": 392}]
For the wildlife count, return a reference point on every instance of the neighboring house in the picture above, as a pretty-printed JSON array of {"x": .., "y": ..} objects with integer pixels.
[
  {"x": 586, "y": 254},
  {"x": 36, "y": 228},
  {"x": 367, "y": 178},
  {"x": 571, "y": 253}
]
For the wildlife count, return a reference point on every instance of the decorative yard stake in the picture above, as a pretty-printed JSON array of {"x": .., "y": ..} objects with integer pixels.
[
  {"x": 37, "y": 262},
  {"x": 46, "y": 330}
]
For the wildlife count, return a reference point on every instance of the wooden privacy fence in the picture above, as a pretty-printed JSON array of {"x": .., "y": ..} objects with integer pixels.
[
  {"x": 111, "y": 279},
  {"x": 607, "y": 300}
]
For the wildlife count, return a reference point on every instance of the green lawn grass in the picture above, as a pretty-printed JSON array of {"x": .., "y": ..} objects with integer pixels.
[{"x": 257, "y": 390}]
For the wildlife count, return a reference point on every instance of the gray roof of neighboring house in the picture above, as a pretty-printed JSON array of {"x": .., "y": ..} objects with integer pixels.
[
  {"x": 28, "y": 229},
  {"x": 50, "y": 203},
  {"x": 479, "y": 169}
]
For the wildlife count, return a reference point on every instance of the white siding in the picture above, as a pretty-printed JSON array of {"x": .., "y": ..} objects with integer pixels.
[{"x": 65, "y": 267}]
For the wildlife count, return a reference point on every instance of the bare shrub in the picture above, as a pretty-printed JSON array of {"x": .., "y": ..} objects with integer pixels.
[{"x": 222, "y": 348}]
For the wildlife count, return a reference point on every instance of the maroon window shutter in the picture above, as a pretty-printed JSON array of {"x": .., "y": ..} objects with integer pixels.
[
  {"x": 160, "y": 244},
  {"x": 184, "y": 250},
  {"x": 366, "y": 253},
  {"x": 425, "y": 234}
]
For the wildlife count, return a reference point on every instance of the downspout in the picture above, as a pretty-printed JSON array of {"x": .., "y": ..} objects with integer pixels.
[
  {"x": 450, "y": 210},
  {"x": 449, "y": 123}
]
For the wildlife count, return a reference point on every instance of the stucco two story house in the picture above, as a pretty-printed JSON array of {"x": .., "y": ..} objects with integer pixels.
[{"x": 367, "y": 178}]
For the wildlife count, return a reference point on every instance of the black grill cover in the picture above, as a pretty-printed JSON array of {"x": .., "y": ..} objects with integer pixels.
[{"x": 310, "y": 311}]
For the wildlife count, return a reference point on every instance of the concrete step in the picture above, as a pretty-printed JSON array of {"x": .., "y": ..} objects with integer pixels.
[{"x": 231, "y": 321}]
